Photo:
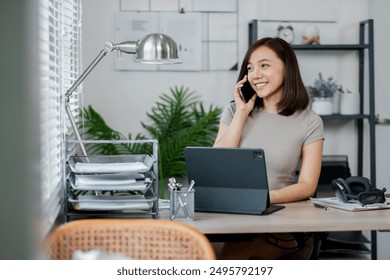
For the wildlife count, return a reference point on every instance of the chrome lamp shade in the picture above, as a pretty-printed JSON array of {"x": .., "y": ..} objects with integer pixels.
[{"x": 157, "y": 49}]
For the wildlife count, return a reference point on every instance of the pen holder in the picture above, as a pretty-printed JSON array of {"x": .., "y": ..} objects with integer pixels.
[{"x": 182, "y": 204}]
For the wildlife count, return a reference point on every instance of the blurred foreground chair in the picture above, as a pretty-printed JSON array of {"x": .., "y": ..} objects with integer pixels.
[{"x": 140, "y": 239}]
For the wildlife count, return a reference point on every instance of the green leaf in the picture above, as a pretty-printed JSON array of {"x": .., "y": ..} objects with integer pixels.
[{"x": 177, "y": 120}]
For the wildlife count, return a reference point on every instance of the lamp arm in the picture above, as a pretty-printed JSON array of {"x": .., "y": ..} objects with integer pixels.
[
  {"x": 127, "y": 47},
  {"x": 107, "y": 47}
]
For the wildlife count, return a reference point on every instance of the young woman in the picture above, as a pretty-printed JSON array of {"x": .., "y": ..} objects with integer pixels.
[{"x": 276, "y": 119}]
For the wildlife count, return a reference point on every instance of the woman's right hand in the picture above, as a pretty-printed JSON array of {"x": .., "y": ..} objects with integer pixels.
[
  {"x": 230, "y": 135},
  {"x": 241, "y": 105}
]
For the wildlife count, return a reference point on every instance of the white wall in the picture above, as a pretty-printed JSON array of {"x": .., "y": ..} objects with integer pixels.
[
  {"x": 379, "y": 11},
  {"x": 124, "y": 97}
]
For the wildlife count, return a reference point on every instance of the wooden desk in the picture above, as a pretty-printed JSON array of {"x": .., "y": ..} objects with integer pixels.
[{"x": 296, "y": 217}]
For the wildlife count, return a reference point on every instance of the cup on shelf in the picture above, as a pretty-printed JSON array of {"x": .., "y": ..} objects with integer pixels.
[{"x": 349, "y": 103}]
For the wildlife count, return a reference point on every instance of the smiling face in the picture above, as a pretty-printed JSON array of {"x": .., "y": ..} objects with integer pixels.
[
  {"x": 272, "y": 69},
  {"x": 266, "y": 74}
]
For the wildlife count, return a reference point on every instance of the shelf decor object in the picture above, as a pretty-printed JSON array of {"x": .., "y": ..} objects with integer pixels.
[
  {"x": 155, "y": 48},
  {"x": 322, "y": 93},
  {"x": 349, "y": 103},
  {"x": 311, "y": 35}
]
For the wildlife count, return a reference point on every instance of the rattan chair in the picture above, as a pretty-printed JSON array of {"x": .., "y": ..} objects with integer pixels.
[{"x": 142, "y": 239}]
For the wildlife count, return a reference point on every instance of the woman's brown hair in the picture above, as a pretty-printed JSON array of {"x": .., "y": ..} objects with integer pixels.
[{"x": 295, "y": 96}]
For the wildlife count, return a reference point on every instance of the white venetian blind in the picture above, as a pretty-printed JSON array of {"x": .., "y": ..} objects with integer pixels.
[
  {"x": 59, "y": 58},
  {"x": 71, "y": 61}
]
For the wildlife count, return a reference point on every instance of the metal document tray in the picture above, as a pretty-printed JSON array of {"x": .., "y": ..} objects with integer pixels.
[
  {"x": 111, "y": 182},
  {"x": 91, "y": 202},
  {"x": 110, "y": 164}
]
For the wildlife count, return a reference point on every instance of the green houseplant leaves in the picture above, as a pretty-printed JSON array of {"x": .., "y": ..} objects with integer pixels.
[
  {"x": 324, "y": 88},
  {"x": 176, "y": 120}
]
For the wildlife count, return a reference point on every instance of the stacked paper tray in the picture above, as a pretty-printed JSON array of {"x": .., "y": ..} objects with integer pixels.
[
  {"x": 91, "y": 202},
  {"x": 110, "y": 164},
  {"x": 111, "y": 182}
]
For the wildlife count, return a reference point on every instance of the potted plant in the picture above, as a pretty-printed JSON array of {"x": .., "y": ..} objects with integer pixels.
[
  {"x": 322, "y": 93},
  {"x": 176, "y": 120}
]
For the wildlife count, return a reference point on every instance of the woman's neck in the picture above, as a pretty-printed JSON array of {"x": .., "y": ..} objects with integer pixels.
[
  {"x": 270, "y": 106},
  {"x": 270, "y": 103}
]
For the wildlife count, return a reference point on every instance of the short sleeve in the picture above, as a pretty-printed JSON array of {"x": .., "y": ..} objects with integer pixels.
[
  {"x": 315, "y": 129},
  {"x": 228, "y": 113}
]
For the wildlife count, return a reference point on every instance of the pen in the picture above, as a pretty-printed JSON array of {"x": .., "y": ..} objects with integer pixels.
[
  {"x": 192, "y": 183},
  {"x": 321, "y": 206}
]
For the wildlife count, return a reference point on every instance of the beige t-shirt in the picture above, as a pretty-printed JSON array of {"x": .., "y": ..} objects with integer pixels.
[{"x": 281, "y": 138}]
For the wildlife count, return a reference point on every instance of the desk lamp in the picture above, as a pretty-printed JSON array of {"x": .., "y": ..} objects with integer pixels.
[{"x": 154, "y": 48}]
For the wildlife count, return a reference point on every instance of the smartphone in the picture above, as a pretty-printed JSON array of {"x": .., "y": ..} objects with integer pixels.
[{"x": 246, "y": 92}]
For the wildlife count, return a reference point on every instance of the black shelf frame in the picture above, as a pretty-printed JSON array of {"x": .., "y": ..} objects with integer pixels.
[
  {"x": 365, "y": 49},
  {"x": 333, "y": 47}
]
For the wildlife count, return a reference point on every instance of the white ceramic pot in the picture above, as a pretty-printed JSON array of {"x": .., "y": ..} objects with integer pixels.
[
  {"x": 349, "y": 103},
  {"x": 322, "y": 106},
  {"x": 336, "y": 103}
]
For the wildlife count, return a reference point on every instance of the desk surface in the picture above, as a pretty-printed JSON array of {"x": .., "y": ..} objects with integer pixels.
[{"x": 296, "y": 217}]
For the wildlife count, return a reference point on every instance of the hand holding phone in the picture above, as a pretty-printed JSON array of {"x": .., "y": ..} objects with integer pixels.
[
  {"x": 244, "y": 89},
  {"x": 246, "y": 92}
]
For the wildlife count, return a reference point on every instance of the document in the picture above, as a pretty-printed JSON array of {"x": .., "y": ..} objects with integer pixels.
[
  {"x": 82, "y": 167},
  {"x": 93, "y": 202},
  {"x": 118, "y": 181},
  {"x": 352, "y": 206}
]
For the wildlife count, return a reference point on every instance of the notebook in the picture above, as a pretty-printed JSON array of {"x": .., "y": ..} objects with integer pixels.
[
  {"x": 229, "y": 180},
  {"x": 352, "y": 205}
]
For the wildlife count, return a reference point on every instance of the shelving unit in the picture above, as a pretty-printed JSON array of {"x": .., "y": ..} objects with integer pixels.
[
  {"x": 111, "y": 186},
  {"x": 365, "y": 49}
]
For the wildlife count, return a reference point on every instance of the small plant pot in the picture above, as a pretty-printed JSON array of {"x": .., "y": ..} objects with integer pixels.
[
  {"x": 322, "y": 106},
  {"x": 349, "y": 103}
]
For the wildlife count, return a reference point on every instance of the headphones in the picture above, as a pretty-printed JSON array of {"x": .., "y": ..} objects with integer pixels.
[{"x": 357, "y": 188}]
